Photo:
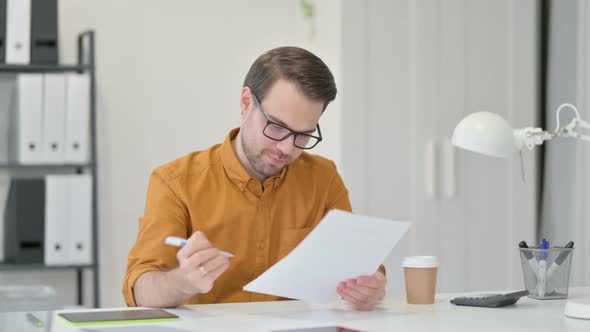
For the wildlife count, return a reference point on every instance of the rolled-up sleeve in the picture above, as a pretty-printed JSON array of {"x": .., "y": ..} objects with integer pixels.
[
  {"x": 165, "y": 215},
  {"x": 337, "y": 194}
]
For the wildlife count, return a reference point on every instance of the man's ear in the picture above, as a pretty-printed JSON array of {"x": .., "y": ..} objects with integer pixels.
[{"x": 246, "y": 101}]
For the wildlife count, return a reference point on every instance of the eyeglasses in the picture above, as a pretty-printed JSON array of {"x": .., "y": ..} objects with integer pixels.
[{"x": 278, "y": 132}]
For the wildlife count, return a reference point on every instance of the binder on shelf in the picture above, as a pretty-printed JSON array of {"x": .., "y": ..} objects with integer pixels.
[
  {"x": 48, "y": 220},
  {"x": 4, "y": 189},
  {"x": 2, "y": 31},
  {"x": 29, "y": 114},
  {"x": 7, "y": 87},
  {"x": 44, "y": 32},
  {"x": 24, "y": 221},
  {"x": 68, "y": 220},
  {"x": 77, "y": 118},
  {"x": 80, "y": 220},
  {"x": 18, "y": 31},
  {"x": 54, "y": 116},
  {"x": 56, "y": 219}
]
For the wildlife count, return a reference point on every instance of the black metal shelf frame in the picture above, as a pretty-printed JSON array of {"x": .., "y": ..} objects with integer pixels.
[{"x": 86, "y": 64}]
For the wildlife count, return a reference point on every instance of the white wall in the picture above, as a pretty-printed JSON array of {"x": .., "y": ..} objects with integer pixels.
[{"x": 323, "y": 36}]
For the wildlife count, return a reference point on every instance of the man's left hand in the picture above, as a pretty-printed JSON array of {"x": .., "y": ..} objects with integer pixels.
[{"x": 363, "y": 292}]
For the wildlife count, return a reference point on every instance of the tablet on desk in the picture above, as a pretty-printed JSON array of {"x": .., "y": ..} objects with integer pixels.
[
  {"x": 117, "y": 316},
  {"x": 134, "y": 328},
  {"x": 320, "y": 329}
]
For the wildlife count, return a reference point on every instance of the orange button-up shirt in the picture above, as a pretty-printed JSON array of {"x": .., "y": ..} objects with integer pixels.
[{"x": 210, "y": 191}]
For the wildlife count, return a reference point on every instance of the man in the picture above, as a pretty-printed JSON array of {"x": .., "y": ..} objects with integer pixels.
[{"x": 257, "y": 196}]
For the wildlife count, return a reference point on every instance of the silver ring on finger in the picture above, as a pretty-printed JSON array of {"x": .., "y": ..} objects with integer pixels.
[{"x": 203, "y": 270}]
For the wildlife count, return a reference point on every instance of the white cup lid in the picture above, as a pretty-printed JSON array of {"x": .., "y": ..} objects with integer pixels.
[{"x": 420, "y": 261}]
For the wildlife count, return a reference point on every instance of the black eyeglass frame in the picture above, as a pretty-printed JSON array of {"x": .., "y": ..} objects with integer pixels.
[{"x": 291, "y": 132}]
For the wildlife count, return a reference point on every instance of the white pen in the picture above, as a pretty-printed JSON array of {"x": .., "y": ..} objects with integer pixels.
[
  {"x": 531, "y": 259},
  {"x": 557, "y": 264},
  {"x": 559, "y": 260},
  {"x": 542, "y": 277},
  {"x": 542, "y": 273},
  {"x": 180, "y": 242}
]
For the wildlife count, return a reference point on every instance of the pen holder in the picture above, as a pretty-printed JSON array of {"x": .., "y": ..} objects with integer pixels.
[{"x": 546, "y": 271}]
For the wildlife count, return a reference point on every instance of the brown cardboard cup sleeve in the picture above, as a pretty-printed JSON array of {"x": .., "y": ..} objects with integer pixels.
[{"x": 420, "y": 274}]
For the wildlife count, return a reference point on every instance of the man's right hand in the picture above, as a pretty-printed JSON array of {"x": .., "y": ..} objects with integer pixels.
[{"x": 199, "y": 265}]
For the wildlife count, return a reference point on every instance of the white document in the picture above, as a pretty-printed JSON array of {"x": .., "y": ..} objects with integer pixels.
[
  {"x": 80, "y": 220},
  {"x": 342, "y": 246},
  {"x": 18, "y": 31},
  {"x": 54, "y": 118},
  {"x": 56, "y": 219},
  {"x": 77, "y": 118},
  {"x": 29, "y": 103}
]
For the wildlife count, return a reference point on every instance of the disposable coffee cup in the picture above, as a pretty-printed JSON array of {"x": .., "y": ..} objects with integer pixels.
[{"x": 420, "y": 274}]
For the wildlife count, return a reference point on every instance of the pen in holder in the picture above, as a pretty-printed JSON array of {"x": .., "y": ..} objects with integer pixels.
[{"x": 546, "y": 271}]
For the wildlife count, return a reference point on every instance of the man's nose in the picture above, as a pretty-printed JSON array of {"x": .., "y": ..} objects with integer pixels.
[{"x": 286, "y": 146}]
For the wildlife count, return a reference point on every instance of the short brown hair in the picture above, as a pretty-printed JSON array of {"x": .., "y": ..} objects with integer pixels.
[{"x": 294, "y": 64}]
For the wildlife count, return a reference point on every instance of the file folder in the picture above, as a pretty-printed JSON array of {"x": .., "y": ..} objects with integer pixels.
[
  {"x": 24, "y": 226},
  {"x": 44, "y": 32},
  {"x": 18, "y": 31},
  {"x": 4, "y": 189},
  {"x": 77, "y": 118},
  {"x": 56, "y": 219},
  {"x": 80, "y": 220},
  {"x": 2, "y": 31},
  {"x": 54, "y": 116},
  {"x": 29, "y": 113},
  {"x": 7, "y": 87}
]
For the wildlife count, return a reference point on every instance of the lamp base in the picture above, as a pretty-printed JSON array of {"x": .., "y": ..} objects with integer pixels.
[{"x": 579, "y": 308}]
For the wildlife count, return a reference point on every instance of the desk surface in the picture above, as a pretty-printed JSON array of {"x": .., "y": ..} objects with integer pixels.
[{"x": 392, "y": 315}]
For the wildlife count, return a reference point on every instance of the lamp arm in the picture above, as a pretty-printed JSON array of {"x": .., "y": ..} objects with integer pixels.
[
  {"x": 561, "y": 107},
  {"x": 529, "y": 137},
  {"x": 571, "y": 130}
]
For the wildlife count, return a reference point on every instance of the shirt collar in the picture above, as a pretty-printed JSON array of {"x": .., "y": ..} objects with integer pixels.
[{"x": 234, "y": 168}]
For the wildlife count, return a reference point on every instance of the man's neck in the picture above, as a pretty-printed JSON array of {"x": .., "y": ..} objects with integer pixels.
[{"x": 236, "y": 144}]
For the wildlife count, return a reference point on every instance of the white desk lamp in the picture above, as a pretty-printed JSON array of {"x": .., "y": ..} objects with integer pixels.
[{"x": 489, "y": 134}]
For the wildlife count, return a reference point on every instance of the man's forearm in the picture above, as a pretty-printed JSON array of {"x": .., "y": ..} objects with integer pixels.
[{"x": 158, "y": 289}]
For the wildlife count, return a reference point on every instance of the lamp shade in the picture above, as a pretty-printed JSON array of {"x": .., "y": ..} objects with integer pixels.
[{"x": 486, "y": 133}]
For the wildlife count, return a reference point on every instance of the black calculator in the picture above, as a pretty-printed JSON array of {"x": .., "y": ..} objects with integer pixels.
[{"x": 490, "y": 300}]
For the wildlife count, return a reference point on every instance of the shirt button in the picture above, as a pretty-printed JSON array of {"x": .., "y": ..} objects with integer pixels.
[{"x": 241, "y": 185}]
